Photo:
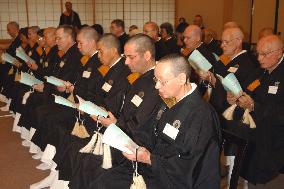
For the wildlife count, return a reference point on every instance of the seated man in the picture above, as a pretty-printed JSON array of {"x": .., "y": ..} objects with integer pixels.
[{"x": 187, "y": 148}]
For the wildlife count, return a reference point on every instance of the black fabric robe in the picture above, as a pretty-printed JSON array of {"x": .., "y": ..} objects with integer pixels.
[
  {"x": 215, "y": 47},
  {"x": 172, "y": 46},
  {"x": 161, "y": 49},
  {"x": 132, "y": 120},
  {"x": 122, "y": 39},
  {"x": 265, "y": 155},
  {"x": 189, "y": 161},
  {"x": 73, "y": 19}
]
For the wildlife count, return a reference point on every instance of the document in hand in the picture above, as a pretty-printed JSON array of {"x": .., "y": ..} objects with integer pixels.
[
  {"x": 198, "y": 61},
  {"x": 55, "y": 81},
  {"x": 8, "y": 58},
  {"x": 64, "y": 101},
  {"x": 29, "y": 80},
  {"x": 116, "y": 138},
  {"x": 22, "y": 55},
  {"x": 90, "y": 108},
  {"x": 231, "y": 83}
]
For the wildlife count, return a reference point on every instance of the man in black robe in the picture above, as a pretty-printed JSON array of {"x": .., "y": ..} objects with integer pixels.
[
  {"x": 140, "y": 105},
  {"x": 187, "y": 143},
  {"x": 152, "y": 30},
  {"x": 70, "y": 17},
  {"x": 7, "y": 71},
  {"x": 117, "y": 28},
  {"x": 264, "y": 159},
  {"x": 167, "y": 36}
]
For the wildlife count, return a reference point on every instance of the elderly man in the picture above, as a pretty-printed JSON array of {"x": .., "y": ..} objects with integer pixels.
[
  {"x": 6, "y": 70},
  {"x": 152, "y": 30},
  {"x": 187, "y": 148},
  {"x": 117, "y": 28},
  {"x": 264, "y": 98}
]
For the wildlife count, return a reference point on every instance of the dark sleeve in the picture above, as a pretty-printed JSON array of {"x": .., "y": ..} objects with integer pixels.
[
  {"x": 178, "y": 167},
  {"x": 61, "y": 22},
  {"x": 77, "y": 21}
]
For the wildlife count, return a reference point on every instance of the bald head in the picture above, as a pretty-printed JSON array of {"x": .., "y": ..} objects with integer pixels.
[
  {"x": 270, "y": 51},
  {"x": 235, "y": 32},
  {"x": 230, "y": 24},
  {"x": 49, "y": 36},
  {"x": 110, "y": 41},
  {"x": 192, "y": 36},
  {"x": 265, "y": 32},
  {"x": 271, "y": 42},
  {"x": 151, "y": 29},
  {"x": 89, "y": 33},
  {"x": 177, "y": 63}
]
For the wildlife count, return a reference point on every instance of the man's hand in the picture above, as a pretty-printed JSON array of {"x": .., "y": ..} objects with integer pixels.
[
  {"x": 38, "y": 87},
  {"x": 143, "y": 155},
  {"x": 61, "y": 88},
  {"x": 231, "y": 98},
  {"x": 17, "y": 64},
  {"x": 32, "y": 66},
  {"x": 246, "y": 102},
  {"x": 106, "y": 121},
  {"x": 69, "y": 87}
]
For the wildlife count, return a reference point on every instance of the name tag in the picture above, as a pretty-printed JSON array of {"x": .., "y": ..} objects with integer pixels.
[
  {"x": 272, "y": 89},
  {"x": 86, "y": 74},
  {"x": 30, "y": 53},
  {"x": 170, "y": 131},
  {"x": 46, "y": 64},
  {"x": 232, "y": 69},
  {"x": 106, "y": 87},
  {"x": 136, "y": 100},
  {"x": 61, "y": 64}
]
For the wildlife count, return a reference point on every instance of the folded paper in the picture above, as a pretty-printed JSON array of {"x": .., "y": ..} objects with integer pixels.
[
  {"x": 116, "y": 138},
  {"x": 64, "y": 101},
  {"x": 29, "y": 80},
  {"x": 198, "y": 61},
  {"x": 8, "y": 58},
  {"x": 231, "y": 83},
  {"x": 90, "y": 108},
  {"x": 55, "y": 81},
  {"x": 22, "y": 55}
]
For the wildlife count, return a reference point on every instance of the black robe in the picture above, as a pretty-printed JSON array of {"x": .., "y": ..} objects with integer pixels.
[
  {"x": 215, "y": 47},
  {"x": 243, "y": 67},
  {"x": 172, "y": 46},
  {"x": 265, "y": 156},
  {"x": 73, "y": 19},
  {"x": 122, "y": 39},
  {"x": 132, "y": 120},
  {"x": 191, "y": 160},
  {"x": 161, "y": 49}
]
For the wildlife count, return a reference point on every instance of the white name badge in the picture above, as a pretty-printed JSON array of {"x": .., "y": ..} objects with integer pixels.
[
  {"x": 106, "y": 87},
  {"x": 170, "y": 131},
  {"x": 46, "y": 64},
  {"x": 232, "y": 69},
  {"x": 61, "y": 64},
  {"x": 30, "y": 53},
  {"x": 136, "y": 100},
  {"x": 86, "y": 74},
  {"x": 272, "y": 89}
]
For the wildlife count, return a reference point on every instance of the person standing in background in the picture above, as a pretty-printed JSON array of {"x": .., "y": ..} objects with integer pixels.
[{"x": 70, "y": 17}]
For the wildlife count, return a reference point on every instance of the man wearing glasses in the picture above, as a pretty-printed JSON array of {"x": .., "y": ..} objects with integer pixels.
[{"x": 186, "y": 152}]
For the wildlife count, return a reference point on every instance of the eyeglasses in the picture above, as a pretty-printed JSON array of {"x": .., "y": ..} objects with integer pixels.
[
  {"x": 226, "y": 42},
  {"x": 163, "y": 83},
  {"x": 131, "y": 57},
  {"x": 265, "y": 54}
]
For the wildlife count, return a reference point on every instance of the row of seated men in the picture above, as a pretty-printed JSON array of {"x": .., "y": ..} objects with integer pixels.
[{"x": 154, "y": 103}]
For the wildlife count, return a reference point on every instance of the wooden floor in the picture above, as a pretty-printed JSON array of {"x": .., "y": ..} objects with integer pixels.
[{"x": 17, "y": 168}]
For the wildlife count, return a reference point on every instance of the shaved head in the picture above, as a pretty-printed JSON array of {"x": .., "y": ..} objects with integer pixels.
[
  {"x": 230, "y": 24},
  {"x": 192, "y": 37},
  {"x": 235, "y": 32}
]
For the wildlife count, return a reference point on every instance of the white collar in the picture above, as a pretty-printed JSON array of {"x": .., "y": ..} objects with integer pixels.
[
  {"x": 193, "y": 87},
  {"x": 116, "y": 62},
  {"x": 243, "y": 51}
]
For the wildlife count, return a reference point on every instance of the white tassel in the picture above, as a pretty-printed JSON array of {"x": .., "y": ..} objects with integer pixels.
[
  {"x": 26, "y": 96},
  {"x": 80, "y": 130},
  {"x": 247, "y": 119},
  {"x": 228, "y": 113},
  {"x": 107, "y": 162},
  {"x": 89, "y": 147},
  {"x": 138, "y": 180},
  {"x": 99, "y": 145}
]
